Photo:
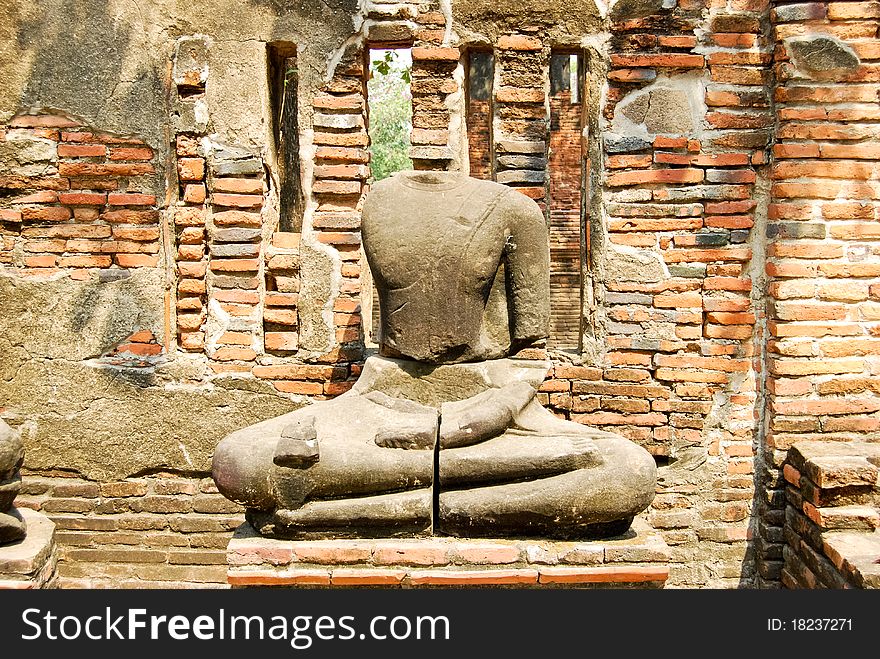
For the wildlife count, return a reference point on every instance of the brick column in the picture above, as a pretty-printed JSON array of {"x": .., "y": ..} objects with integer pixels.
[
  {"x": 824, "y": 251},
  {"x": 521, "y": 122}
]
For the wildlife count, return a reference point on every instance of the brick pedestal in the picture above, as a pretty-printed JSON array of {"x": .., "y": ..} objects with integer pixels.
[
  {"x": 31, "y": 562},
  {"x": 832, "y": 518},
  {"x": 637, "y": 559}
]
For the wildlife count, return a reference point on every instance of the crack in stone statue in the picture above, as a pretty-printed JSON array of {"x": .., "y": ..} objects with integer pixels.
[
  {"x": 12, "y": 526},
  {"x": 443, "y": 431}
]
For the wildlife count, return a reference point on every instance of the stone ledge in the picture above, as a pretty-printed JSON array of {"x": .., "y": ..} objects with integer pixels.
[
  {"x": 856, "y": 555},
  {"x": 832, "y": 526},
  {"x": 638, "y": 558},
  {"x": 31, "y": 563}
]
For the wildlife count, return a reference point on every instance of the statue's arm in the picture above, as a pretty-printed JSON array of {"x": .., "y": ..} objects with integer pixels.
[{"x": 527, "y": 256}]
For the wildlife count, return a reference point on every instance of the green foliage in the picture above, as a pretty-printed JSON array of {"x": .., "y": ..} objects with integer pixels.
[{"x": 390, "y": 116}]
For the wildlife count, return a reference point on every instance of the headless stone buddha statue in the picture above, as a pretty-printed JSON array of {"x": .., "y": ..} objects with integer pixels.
[
  {"x": 12, "y": 526},
  {"x": 443, "y": 431}
]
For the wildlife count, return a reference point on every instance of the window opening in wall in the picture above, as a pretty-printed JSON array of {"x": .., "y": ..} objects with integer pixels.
[
  {"x": 565, "y": 75},
  {"x": 283, "y": 88},
  {"x": 566, "y": 185},
  {"x": 480, "y": 78},
  {"x": 390, "y": 110}
]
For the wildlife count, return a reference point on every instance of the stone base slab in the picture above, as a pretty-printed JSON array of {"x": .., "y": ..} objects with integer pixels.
[
  {"x": 636, "y": 559},
  {"x": 30, "y": 563}
]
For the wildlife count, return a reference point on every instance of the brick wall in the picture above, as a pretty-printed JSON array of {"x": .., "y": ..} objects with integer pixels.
[
  {"x": 824, "y": 257},
  {"x": 161, "y": 531},
  {"x": 83, "y": 203}
]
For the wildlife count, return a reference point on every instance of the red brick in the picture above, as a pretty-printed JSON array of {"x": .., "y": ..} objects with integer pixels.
[
  {"x": 237, "y": 200},
  {"x": 518, "y": 42},
  {"x": 234, "y": 354},
  {"x": 136, "y": 260},
  {"x": 486, "y": 554},
  {"x": 48, "y": 213},
  {"x": 436, "y": 54},
  {"x": 81, "y": 150},
  {"x": 366, "y": 577},
  {"x": 191, "y": 169},
  {"x": 104, "y": 169},
  {"x": 194, "y": 193},
  {"x": 83, "y": 198},
  {"x": 84, "y": 261},
  {"x": 137, "y": 233},
  {"x": 300, "y": 388},
  {"x": 130, "y": 199},
  {"x": 131, "y": 153},
  {"x": 239, "y": 185},
  {"x": 409, "y": 554},
  {"x": 142, "y": 349},
  {"x": 707, "y": 255},
  {"x": 279, "y": 578},
  {"x": 643, "y": 177},
  {"x": 41, "y": 261},
  {"x": 604, "y": 574},
  {"x": 329, "y": 186},
  {"x": 664, "y": 60},
  {"x": 472, "y": 577}
]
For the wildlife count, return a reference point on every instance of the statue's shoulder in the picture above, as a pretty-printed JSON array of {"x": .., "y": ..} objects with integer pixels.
[{"x": 518, "y": 206}]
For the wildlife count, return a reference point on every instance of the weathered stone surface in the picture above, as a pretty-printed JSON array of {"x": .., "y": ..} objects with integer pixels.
[
  {"x": 822, "y": 56},
  {"x": 509, "y": 146},
  {"x": 25, "y": 155},
  {"x": 625, "y": 144},
  {"x": 30, "y": 562},
  {"x": 191, "y": 62},
  {"x": 520, "y": 176},
  {"x": 315, "y": 305},
  {"x": 430, "y": 153},
  {"x": 480, "y": 223},
  {"x": 628, "y": 9},
  {"x": 88, "y": 316},
  {"x": 104, "y": 421},
  {"x": 660, "y": 109},
  {"x": 623, "y": 264},
  {"x": 522, "y": 162},
  {"x": 495, "y": 18},
  {"x": 366, "y": 463}
]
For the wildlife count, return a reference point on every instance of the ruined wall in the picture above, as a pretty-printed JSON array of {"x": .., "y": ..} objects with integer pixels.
[{"x": 156, "y": 295}]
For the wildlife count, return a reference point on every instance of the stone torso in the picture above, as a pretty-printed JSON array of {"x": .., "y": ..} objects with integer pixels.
[{"x": 435, "y": 243}]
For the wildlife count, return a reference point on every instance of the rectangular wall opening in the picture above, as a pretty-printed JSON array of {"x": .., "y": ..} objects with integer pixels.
[
  {"x": 480, "y": 81},
  {"x": 566, "y": 184},
  {"x": 389, "y": 123},
  {"x": 283, "y": 89},
  {"x": 389, "y": 110}
]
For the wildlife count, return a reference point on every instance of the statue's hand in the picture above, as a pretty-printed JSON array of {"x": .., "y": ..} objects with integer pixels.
[
  {"x": 297, "y": 448},
  {"x": 415, "y": 434}
]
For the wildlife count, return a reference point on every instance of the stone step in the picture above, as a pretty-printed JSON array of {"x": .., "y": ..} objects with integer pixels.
[{"x": 639, "y": 557}]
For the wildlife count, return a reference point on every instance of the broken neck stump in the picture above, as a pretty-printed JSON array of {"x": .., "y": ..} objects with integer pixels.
[{"x": 443, "y": 434}]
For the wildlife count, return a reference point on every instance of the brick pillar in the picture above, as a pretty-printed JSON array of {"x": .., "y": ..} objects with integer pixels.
[
  {"x": 824, "y": 242},
  {"x": 682, "y": 336},
  {"x": 434, "y": 64},
  {"x": 521, "y": 128}
]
